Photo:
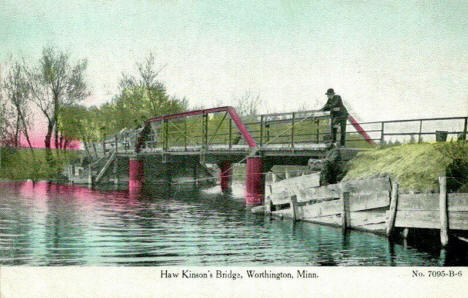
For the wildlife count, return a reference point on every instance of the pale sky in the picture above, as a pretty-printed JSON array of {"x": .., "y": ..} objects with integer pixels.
[{"x": 387, "y": 59}]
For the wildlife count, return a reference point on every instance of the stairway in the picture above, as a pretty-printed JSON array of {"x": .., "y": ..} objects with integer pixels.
[{"x": 104, "y": 169}]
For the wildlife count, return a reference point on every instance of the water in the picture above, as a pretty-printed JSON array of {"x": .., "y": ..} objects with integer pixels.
[{"x": 53, "y": 224}]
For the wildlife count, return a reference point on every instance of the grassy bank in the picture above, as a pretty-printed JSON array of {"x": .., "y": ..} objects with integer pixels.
[
  {"x": 19, "y": 164},
  {"x": 415, "y": 166}
]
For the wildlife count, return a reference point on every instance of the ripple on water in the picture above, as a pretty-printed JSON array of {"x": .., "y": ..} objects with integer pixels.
[{"x": 71, "y": 225}]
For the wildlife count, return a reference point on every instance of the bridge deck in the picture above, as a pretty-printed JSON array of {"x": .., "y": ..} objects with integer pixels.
[{"x": 272, "y": 149}]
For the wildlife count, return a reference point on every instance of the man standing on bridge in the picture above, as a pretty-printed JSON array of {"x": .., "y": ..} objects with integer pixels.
[{"x": 338, "y": 113}]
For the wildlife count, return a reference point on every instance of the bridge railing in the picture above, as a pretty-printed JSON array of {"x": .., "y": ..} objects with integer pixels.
[
  {"x": 411, "y": 130},
  {"x": 291, "y": 129},
  {"x": 217, "y": 129},
  {"x": 123, "y": 141},
  {"x": 222, "y": 129},
  {"x": 192, "y": 133}
]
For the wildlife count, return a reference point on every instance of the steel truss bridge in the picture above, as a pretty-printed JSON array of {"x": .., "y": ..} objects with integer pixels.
[{"x": 218, "y": 135}]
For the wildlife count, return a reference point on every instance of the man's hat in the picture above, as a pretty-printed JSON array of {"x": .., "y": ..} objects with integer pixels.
[{"x": 330, "y": 92}]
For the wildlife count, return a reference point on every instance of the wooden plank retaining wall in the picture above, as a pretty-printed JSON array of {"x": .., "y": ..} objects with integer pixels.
[
  {"x": 422, "y": 211},
  {"x": 367, "y": 205}
]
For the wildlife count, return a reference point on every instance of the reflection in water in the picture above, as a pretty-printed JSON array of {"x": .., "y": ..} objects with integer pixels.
[{"x": 54, "y": 224}]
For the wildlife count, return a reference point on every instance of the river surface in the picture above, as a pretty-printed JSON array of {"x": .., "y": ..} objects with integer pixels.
[{"x": 52, "y": 224}]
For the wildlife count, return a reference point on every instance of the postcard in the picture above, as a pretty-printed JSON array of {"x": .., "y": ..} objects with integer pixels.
[{"x": 156, "y": 148}]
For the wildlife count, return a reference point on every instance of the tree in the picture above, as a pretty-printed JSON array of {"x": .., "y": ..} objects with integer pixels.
[
  {"x": 3, "y": 116},
  {"x": 18, "y": 95},
  {"x": 140, "y": 97},
  {"x": 248, "y": 104},
  {"x": 71, "y": 121},
  {"x": 7, "y": 124},
  {"x": 54, "y": 83}
]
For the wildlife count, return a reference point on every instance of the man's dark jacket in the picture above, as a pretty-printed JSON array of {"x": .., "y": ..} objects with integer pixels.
[{"x": 336, "y": 107}]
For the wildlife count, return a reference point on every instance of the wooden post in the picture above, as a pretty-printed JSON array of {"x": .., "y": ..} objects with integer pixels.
[
  {"x": 393, "y": 208},
  {"x": 274, "y": 178},
  {"x": 444, "y": 239},
  {"x": 293, "y": 206},
  {"x": 317, "y": 132},
  {"x": 405, "y": 233},
  {"x": 465, "y": 128},
  {"x": 292, "y": 129},
  {"x": 166, "y": 135},
  {"x": 261, "y": 130},
  {"x": 345, "y": 210},
  {"x": 443, "y": 257},
  {"x": 270, "y": 188},
  {"x": 420, "y": 131},
  {"x": 230, "y": 133},
  {"x": 267, "y": 128},
  {"x": 205, "y": 131},
  {"x": 382, "y": 135},
  {"x": 268, "y": 207},
  {"x": 185, "y": 133}
]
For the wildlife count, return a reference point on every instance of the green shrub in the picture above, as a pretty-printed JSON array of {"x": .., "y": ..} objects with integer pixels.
[
  {"x": 19, "y": 164},
  {"x": 415, "y": 166}
]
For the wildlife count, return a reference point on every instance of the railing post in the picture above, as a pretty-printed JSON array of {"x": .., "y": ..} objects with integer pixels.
[
  {"x": 230, "y": 133},
  {"x": 185, "y": 133},
  {"x": 116, "y": 144},
  {"x": 202, "y": 129},
  {"x": 382, "y": 133},
  {"x": 205, "y": 130},
  {"x": 464, "y": 128},
  {"x": 292, "y": 129},
  {"x": 267, "y": 128},
  {"x": 420, "y": 131},
  {"x": 261, "y": 130},
  {"x": 317, "y": 122},
  {"x": 166, "y": 135}
]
